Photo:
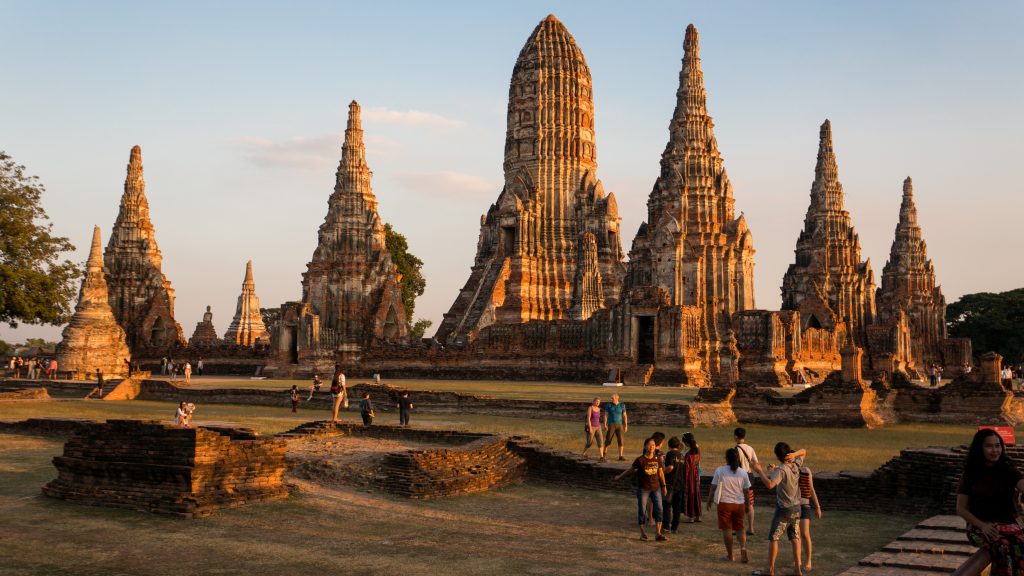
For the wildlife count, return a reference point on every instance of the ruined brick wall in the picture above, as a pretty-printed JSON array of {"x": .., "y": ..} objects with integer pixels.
[
  {"x": 154, "y": 467},
  {"x": 481, "y": 465}
]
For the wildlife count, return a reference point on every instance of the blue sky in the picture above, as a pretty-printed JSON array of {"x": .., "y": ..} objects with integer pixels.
[{"x": 240, "y": 106}]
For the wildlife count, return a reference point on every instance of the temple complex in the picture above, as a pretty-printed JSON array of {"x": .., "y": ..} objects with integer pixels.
[
  {"x": 691, "y": 266},
  {"x": 93, "y": 340},
  {"x": 351, "y": 297},
  {"x": 247, "y": 326},
  {"x": 533, "y": 239},
  {"x": 141, "y": 297},
  {"x": 908, "y": 286},
  {"x": 204, "y": 334},
  {"x": 829, "y": 284}
]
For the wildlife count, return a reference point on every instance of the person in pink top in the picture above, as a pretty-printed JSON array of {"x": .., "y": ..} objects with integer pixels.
[{"x": 592, "y": 427}]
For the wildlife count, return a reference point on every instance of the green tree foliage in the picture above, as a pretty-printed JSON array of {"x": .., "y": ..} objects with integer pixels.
[
  {"x": 412, "y": 283},
  {"x": 35, "y": 286},
  {"x": 419, "y": 328},
  {"x": 5, "y": 348},
  {"x": 993, "y": 322}
]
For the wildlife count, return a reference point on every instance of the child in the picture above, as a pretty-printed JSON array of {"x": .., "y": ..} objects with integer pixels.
[{"x": 295, "y": 397}]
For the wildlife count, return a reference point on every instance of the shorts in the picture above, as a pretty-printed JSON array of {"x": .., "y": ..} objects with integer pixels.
[
  {"x": 806, "y": 512},
  {"x": 730, "y": 516},
  {"x": 613, "y": 430},
  {"x": 785, "y": 520}
]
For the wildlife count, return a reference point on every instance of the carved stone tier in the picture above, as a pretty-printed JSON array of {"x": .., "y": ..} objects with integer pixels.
[
  {"x": 532, "y": 238},
  {"x": 247, "y": 326},
  {"x": 140, "y": 295},
  {"x": 205, "y": 334},
  {"x": 93, "y": 340}
]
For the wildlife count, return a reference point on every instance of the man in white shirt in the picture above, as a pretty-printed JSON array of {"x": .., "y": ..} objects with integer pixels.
[{"x": 748, "y": 461}]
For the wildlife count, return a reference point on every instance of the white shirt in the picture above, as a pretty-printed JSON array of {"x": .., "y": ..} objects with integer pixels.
[
  {"x": 731, "y": 485},
  {"x": 747, "y": 456}
]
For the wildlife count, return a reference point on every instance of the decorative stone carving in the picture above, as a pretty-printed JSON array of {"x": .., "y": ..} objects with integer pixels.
[
  {"x": 531, "y": 239},
  {"x": 204, "y": 334},
  {"x": 141, "y": 297},
  {"x": 588, "y": 296},
  {"x": 908, "y": 285},
  {"x": 93, "y": 339},
  {"x": 829, "y": 284},
  {"x": 351, "y": 298},
  {"x": 247, "y": 326}
]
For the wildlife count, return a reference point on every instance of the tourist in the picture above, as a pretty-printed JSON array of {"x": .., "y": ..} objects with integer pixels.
[
  {"x": 187, "y": 370},
  {"x": 659, "y": 441},
  {"x": 51, "y": 371},
  {"x": 785, "y": 479},
  {"x": 616, "y": 423},
  {"x": 199, "y": 366},
  {"x": 172, "y": 369},
  {"x": 128, "y": 366},
  {"x": 729, "y": 488},
  {"x": 98, "y": 389},
  {"x": 366, "y": 409},
  {"x": 986, "y": 500},
  {"x": 339, "y": 393},
  {"x": 593, "y": 429},
  {"x": 674, "y": 485},
  {"x": 748, "y": 460},
  {"x": 181, "y": 416},
  {"x": 404, "y": 406},
  {"x": 294, "y": 393},
  {"x": 691, "y": 478},
  {"x": 17, "y": 367},
  {"x": 164, "y": 365},
  {"x": 315, "y": 386},
  {"x": 650, "y": 486},
  {"x": 809, "y": 507}
]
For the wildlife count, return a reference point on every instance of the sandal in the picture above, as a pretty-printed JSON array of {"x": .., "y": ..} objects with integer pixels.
[{"x": 743, "y": 556}]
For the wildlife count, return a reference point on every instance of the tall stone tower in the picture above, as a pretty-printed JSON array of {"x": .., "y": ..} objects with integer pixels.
[
  {"x": 140, "y": 295},
  {"x": 351, "y": 284},
  {"x": 701, "y": 254},
  {"x": 828, "y": 283},
  {"x": 247, "y": 325},
  {"x": 908, "y": 284},
  {"x": 93, "y": 339},
  {"x": 531, "y": 238}
]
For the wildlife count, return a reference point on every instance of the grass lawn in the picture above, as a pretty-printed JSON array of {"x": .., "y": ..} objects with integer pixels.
[
  {"x": 830, "y": 449},
  {"x": 527, "y": 529}
]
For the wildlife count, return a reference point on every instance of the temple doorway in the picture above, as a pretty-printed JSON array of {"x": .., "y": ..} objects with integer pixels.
[
  {"x": 291, "y": 335},
  {"x": 645, "y": 340}
]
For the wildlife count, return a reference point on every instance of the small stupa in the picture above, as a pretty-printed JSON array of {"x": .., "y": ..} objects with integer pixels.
[{"x": 247, "y": 326}]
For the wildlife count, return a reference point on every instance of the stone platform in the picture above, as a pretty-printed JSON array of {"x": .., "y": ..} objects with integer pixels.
[
  {"x": 937, "y": 545},
  {"x": 154, "y": 467}
]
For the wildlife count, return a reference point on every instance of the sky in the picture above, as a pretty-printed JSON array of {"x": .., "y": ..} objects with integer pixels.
[{"x": 240, "y": 111}]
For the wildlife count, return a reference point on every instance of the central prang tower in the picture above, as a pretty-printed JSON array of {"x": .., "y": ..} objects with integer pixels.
[{"x": 534, "y": 238}]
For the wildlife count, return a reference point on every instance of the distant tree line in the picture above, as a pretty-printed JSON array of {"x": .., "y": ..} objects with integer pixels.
[{"x": 993, "y": 322}]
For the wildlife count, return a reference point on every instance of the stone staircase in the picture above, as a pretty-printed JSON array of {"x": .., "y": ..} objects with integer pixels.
[{"x": 937, "y": 545}]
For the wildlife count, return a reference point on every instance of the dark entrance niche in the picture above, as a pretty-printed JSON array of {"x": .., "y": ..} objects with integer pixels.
[
  {"x": 293, "y": 344},
  {"x": 645, "y": 340},
  {"x": 508, "y": 237}
]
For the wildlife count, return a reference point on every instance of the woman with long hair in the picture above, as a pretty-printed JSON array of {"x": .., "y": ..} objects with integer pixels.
[
  {"x": 691, "y": 478},
  {"x": 986, "y": 500},
  {"x": 650, "y": 486},
  {"x": 729, "y": 488}
]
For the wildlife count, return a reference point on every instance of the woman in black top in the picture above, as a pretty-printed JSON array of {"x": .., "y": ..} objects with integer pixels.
[{"x": 986, "y": 500}]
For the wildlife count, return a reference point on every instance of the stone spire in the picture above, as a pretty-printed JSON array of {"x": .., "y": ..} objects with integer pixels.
[
  {"x": 140, "y": 295},
  {"x": 351, "y": 284},
  {"x": 247, "y": 326},
  {"x": 829, "y": 283},
  {"x": 908, "y": 284},
  {"x": 704, "y": 256},
  {"x": 530, "y": 238},
  {"x": 588, "y": 296},
  {"x": 93, "y": 339}
]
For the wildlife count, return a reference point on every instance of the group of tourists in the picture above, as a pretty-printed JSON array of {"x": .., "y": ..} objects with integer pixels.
[
  {"x": 340, "y": 399},
  {"x": 604, "y": 422},
  {"x": 35, "y": 368},
  {"x": 172, "y": 368}
]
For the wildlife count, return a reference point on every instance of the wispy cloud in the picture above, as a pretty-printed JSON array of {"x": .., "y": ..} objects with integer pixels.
[
  {"x": 410, "y": 118},
  {"x": 447, "y": 182},
  {"x": 304, "y": 151}
]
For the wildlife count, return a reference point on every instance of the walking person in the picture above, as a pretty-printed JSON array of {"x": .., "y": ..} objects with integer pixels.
[
  {"x": 199, "y": 366},
  {"x": 809, "y": 508},
  {"x": 748, "y": 460},
  {"x": 366, "y": 409},
  {"x": 52, "y": 371},
  {"x": 785, "y": 479},
  {"x": 691, "y": 478},
  {"x": 163, "y": 365},
  {"x": 187, "y": 370},
  {"x": 616, "y": 422},
  {"x": 650, "y": 487},
  {"x": 674, "y": 483},
  {"x": 98, "y": 390},
  {"x": 986, "y": 500},
  {"x": 339, "y": 392},
  {"x": 729, "y": 488},
  {"x": 404, "y": 406},
  {"x": 294, "y": 395},
  {"x": 593, "y": 429}
]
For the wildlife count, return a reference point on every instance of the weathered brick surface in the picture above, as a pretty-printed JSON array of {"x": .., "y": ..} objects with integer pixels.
[
  {"x": 937, "y": 545},
  {"x": 153, "y": 467}
]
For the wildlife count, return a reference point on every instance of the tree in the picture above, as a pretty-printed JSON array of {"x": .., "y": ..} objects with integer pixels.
[
  {"x": 993, "y": 322},
  {"x": 35, "y": 286},
  {"x": 412, "y": 283},
  {"x": 419, "y": 328}
]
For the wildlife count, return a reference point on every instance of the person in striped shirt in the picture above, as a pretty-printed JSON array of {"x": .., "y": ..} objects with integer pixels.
[{"x": 809, "y": 506}]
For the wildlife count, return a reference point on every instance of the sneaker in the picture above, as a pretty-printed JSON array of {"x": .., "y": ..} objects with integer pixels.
[
  {"x": 660, "y": 538},
  {"x": 622, "y": 458}
]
